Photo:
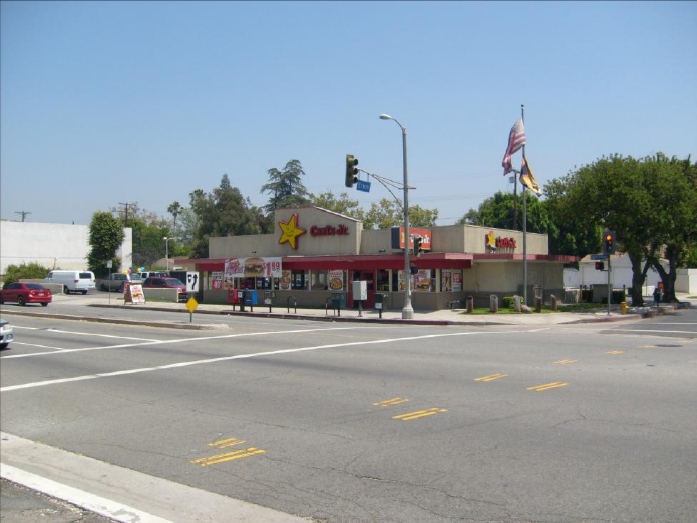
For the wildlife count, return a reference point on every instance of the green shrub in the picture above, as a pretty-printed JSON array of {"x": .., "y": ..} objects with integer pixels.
[
  {"x": 507, "y": 302},
  {"x": 25, "y": 271}
]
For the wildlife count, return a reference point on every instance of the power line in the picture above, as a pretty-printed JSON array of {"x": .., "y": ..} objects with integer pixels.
[{"x": 23, "y": 213}]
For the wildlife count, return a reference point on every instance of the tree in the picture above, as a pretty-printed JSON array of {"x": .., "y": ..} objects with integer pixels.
[
  {"x": 497, "y": 212},
  {"x": 175, "y": 210},
  {"x": 105, "y": 237},
  {"x": 286, "y": 187},
  {"x": 672, "y": 184},
  {"x": 389, "y": 213},
  {"x": 342, "y": 205},
  {"x": 649, "y": 203},
  {"x": 225, "y": 212}
]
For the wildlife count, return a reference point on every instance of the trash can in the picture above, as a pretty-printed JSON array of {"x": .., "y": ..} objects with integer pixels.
[
  {"x": 380, "y": 301},
  {"x": 338, "y": 300}
]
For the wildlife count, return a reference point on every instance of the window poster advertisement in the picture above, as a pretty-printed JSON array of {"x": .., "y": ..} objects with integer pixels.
[
  {"x": 336, "y": 280},
  {"x": 285, "y": 283},
  {"x": 217, "y": 280},
  {"x": 457, "y": 281},
  {"x": 400, "y": 277},
  {"x": 423, "y": 280},
  {"x": 446, "y": 283}
]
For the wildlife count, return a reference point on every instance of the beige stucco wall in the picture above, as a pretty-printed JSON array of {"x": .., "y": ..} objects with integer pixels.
[
  {"x": 53, "y": 245},
  {"x": 307, "y": 244}
]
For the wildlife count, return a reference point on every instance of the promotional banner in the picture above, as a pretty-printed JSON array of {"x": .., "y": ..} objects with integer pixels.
[{"x": 254, "y": 267}]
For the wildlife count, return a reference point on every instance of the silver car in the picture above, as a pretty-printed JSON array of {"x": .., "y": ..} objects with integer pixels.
[{"x": 6, "y": 334}]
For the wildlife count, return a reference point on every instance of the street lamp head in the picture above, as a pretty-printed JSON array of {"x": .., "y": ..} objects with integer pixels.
[
  {"x": 385, "y": 117},
  {"x": 165, "y": 238}
]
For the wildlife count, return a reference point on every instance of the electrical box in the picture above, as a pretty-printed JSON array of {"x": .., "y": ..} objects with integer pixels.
[{"x": 360, "y": 290}]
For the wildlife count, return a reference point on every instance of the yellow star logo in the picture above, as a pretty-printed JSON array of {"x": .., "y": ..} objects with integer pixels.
[{"x": 291, "y": 231}]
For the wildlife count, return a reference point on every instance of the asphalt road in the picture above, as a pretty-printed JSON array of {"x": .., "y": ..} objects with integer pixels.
[{"x": 389, "y": 423}]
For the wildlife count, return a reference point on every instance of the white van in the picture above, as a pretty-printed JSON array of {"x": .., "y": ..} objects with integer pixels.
[{"x": 73, "y": 281}]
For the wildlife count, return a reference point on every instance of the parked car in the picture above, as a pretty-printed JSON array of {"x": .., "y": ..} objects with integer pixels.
[
  {"x": 166, "y": 283},
  {"x": 23, "y": 293},
  {"x": 152, "y": 274},
  {"x": 73, "y": 281},
  {"x": 6, "y": 334},
  {"x": 115, "y": 282}
]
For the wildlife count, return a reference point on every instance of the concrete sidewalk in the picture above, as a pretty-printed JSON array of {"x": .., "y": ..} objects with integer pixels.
[{"x": 439, "y": 317}]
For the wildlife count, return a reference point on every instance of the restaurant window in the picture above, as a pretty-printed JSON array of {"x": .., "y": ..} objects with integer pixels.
[
  {"x": 299, "y": 279},
  {"x": 319, "y": 280},
  {"x": 383, "y": 280}
]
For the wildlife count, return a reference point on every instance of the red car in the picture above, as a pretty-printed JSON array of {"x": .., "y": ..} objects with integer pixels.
[
  {"x": 166, "y": 283},
  {"x": 23, "y": 293}
]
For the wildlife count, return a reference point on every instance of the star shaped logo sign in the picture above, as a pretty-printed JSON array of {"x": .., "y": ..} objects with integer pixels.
[{"x": 291, "y": 232}]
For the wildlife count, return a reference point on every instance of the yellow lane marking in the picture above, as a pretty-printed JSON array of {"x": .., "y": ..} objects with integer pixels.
[
  {"x": 565, "y": 362},
  {"x": 547, "y": 386},
  {"x": 224, "y": 443},
  {"x": 491, "y": 377},
  {"x": 647, "y": 346},
  {"x": 228, "y": 456},
  {"x": 615, "y": 352},
  {"x": 419, "y": 414},
  {"x": 393, "y": 401}
]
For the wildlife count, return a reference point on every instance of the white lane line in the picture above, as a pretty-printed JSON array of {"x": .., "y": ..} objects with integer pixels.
[
  {"x": 162, "y": 342},
  {"x": 246, "y": 356},
  {"x": 76, "y": 333},
  {"x": 105, "y": 507}
]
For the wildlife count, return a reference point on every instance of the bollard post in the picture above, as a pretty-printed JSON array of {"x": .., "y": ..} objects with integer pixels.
[
  {"x": 538, "y": 304},
  {"x": 470, "y": 303},
  {"x": 553, "y": 299}
]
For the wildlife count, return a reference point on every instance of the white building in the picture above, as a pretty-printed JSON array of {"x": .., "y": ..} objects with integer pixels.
[{"x": 53, "y": 245}]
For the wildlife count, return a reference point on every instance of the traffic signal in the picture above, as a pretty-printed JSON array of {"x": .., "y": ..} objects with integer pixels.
[
  {"x": 417, "y": 245},
  {"x": 413, "y": 269},
  {"x": 351, "y": 170},
  {"x": 599, "y": 266},
  {"x": 609, "y": 242}
]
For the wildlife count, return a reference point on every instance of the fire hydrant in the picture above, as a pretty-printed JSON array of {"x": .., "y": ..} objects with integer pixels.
[{"x": 623, "y": 307}]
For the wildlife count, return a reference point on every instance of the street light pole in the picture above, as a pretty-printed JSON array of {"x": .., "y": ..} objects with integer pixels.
[
  {"x": 166, "y": 239},
  {"x": 407, "y": 311}
]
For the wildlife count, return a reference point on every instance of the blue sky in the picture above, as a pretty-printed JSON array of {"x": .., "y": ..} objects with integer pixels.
[{"x": 109, "y": 102}]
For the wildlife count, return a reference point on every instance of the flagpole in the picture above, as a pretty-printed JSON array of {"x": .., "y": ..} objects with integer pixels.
[{"x": 525, "y": 226}]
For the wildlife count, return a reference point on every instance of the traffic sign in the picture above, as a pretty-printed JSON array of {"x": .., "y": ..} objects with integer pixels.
[
  {"x": 598, "y": 256},
  {"x": 192, "y": 282},
  {"x": 363, "y": 186}
]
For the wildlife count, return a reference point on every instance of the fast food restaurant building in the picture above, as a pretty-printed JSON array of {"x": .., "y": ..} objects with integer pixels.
[{"x": 313, "y": 254}]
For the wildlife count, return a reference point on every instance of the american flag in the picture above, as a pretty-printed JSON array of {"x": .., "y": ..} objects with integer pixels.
[{"x": 516, "y": 140}]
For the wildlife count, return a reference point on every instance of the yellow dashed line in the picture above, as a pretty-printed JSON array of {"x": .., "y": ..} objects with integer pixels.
[
  {"x": 228, "y": 456},
  {"x": 419, "y": 414},
  {"x": 224, "y": 443},
  {"x": 615, "y": 352},
  {"x": 565, "y": 362},
  {"x": 491, "y": 377},
  {"x": 393, "y": 401},
  {"x": 547, "y": 386}
]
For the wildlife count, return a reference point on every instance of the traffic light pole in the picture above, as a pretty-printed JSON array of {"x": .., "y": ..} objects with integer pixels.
[{"x": 609, "y": 284}]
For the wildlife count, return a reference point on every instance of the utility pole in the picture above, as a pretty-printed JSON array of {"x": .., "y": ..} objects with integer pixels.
[
  {"x": 23, "y": 213},
  {"x": 125, "y": 221}
]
